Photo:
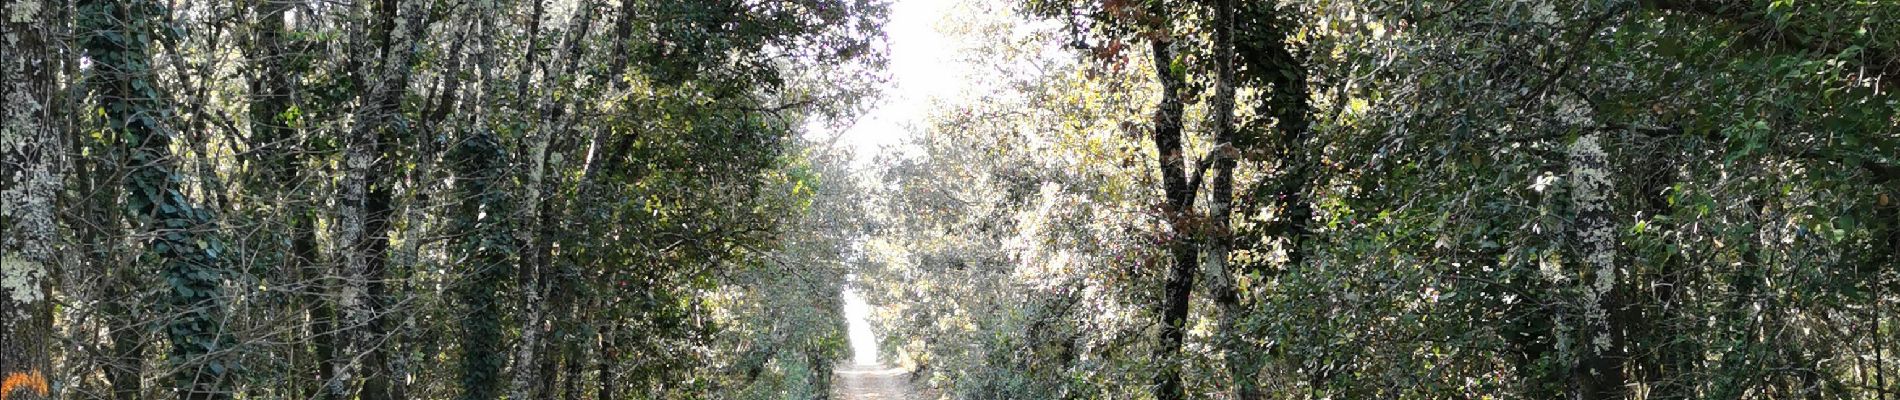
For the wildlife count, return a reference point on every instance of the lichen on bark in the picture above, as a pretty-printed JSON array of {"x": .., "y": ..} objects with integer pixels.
[{"x": 20, "y": 278}]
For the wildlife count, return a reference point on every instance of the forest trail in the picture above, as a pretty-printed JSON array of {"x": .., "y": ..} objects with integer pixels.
[{"x": 872, "y": 382}]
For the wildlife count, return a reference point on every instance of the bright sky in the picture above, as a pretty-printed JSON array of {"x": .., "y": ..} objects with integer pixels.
[{"x": 921, "y": 67}]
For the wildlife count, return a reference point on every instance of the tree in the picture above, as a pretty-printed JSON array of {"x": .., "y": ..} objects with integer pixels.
[
  {"x": 487, "y": 249},
  {"x": 181, "y": 239},
  {"x": 365, "y": 211},
  {"x": 1170, "y": 199},
  {"x": 33, "y": 156},
  {"x": 280, "y": 178},
  {"x": 1439, "y": 200}
]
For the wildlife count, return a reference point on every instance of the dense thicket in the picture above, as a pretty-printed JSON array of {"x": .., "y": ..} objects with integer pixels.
[
  {"x": 427, "y": 199},
  {"x": 1134, "y": 199},
  {"x": 1171, "y": 199}
]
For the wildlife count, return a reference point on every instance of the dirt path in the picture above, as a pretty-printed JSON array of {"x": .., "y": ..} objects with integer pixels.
[{"x": 872, "y": 382}]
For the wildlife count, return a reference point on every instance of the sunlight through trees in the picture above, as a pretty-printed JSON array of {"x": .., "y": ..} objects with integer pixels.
[{"x": 949, "y": 199}]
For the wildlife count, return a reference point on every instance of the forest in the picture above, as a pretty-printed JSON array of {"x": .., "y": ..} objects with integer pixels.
[{"x": 1047, "y": 199}]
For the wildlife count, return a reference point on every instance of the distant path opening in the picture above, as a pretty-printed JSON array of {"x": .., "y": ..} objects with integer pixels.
[
  {"x": 866, "y": 378},
  {"x": 857, "y": 317}
]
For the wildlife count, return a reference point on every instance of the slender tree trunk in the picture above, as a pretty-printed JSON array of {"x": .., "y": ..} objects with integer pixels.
[
  {"x": 604, "y": 363},
  {"x": 485, "y": 246},
  {"x": 32, "y": 156},
  {"x": 1745, "y": 316},
  {"x": 276, "y": 144},
  {"x": 1599, "y": 370},
  {"x": 486, "y": 241},
  {"x": 531, "y": 274},
  {"x": 605, "y": 327},
  {"x": 1673, "y": 369},
  {"x": 1668, "y": 369},
  {"x": 98, "y": 228},
  {"x": 555, "y": 284},
  {"x": 365, "y": 209},
  {"x": 1176, "y": 208},
  {"x": 124, "y": 366},
  {"x": 1223, "y": 282},
  {"x": 575, "y": 364},
  {"x": 96, "y": 223},
  {"x": 1889, "y": 210}
]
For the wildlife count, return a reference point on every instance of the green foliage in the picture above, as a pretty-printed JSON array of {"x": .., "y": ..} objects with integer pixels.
[
  {"x": 1410, "y": 222},
  {"x": 488, "y": 253},
  {"x": 174, "y": 229},
  {"x": 583, "y": 199},
  {"x": 420, "y": 187}
]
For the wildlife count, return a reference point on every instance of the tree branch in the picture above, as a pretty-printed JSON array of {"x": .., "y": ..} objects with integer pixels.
[{"x": 1762, "y": 32}]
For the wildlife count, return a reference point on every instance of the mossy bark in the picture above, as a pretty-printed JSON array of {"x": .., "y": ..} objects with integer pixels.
[{"x": 30, "y": 156}]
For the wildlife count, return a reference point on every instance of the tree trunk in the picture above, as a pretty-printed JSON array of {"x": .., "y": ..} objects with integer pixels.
[
  {"x": 553, "y": 286},
  {"x": 363, "y": 215},
  {"x": 278, "y": 179},
  {"x": 531, "y": 275},
  {"x": 32, "y": 155},
  {"x": 574, "y": 365},
  {"x": 97, "y": 224},
  {"x": 486, "y": 243},
  {"x": 604, "y": 362},
  {"x": 1176, "y": 209},
  {"x": 1669, "y": 369},
  {"x": 179, "y": 235},
  {"x": 1599, "y": 371},
  {"x": 125, "y": 362},
  {"x": 1744, "y": 362},
  {"x": 486, "y": 246},
  {"x": 1222, "y": 281},
  {"x": 1888, "y": 210}
]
